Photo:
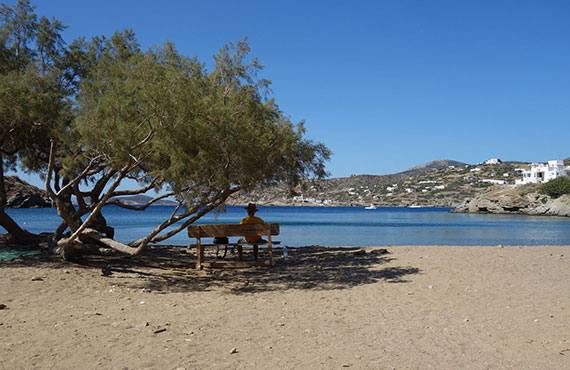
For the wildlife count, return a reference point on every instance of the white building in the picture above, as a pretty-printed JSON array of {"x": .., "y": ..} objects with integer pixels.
[
  {"x": 491, "y": 181},
  {"x": 540, "y": 172},
  {"x": 493, "y": 161}
]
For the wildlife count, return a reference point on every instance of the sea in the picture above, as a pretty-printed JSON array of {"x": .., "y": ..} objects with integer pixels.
[{"x": 341, "y": 226}]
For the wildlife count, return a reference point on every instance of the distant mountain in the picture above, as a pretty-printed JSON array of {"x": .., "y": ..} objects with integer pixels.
[
  {"x": 139, "y": 200},
  {"x": 432, "y": 166}
]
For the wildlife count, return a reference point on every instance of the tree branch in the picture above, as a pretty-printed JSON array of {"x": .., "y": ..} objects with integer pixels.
[
  {"x": 116, "y": 202},
  {"x": 137, "y": 191},
  {"x": 50, "y": 169},
  {"x": 79, "y": 177},
  {"x": 95, "y": 212},
  {"x": 214, "y": 202},
  {"x": 143, "y": 141}
]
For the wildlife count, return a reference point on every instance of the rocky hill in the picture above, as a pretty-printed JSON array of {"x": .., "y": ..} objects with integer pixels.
[
  {"x": 524, "y": 199},
  {"x": 432, "y": 166},
  {"x": 435, "y": 184},
  {"x": 20, "y": 194},
  {"x": 139, "y": 200}
]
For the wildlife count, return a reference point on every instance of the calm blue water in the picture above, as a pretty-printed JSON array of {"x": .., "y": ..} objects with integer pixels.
[{"x": 301, "y": 226}]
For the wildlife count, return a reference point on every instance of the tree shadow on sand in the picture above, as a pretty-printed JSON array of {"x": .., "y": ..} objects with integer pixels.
[{"x": 171, "y": 269}]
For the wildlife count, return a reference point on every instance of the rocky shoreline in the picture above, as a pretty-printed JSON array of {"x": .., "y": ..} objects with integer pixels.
[
  {"x": 511, "y": 199},
  {"x": 20, "y": 194}
]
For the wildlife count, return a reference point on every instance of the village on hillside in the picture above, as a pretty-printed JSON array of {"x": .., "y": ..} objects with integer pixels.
[
  {"x": 444, "y": 187},
  {"x": 445, "y": 184}
]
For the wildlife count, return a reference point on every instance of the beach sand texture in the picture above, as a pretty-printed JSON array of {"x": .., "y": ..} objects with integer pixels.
[{"x": 416, "y": 307}]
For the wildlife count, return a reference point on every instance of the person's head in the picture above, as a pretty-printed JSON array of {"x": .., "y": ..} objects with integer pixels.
[{"x": 251, "y": 209}]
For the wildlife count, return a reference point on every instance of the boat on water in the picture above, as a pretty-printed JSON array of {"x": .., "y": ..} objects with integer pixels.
[
  {"x": 414, "y": 206},
  {"x": 371, "y": 206}
]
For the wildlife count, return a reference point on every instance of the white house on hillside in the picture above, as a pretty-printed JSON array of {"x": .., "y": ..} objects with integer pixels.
[
  {"x": 492, "y": 161},
  {"x": 541, "y": 172}
]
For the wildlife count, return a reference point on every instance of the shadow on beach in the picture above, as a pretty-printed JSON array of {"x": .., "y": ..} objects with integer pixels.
[{"x": 169, "y": 269}]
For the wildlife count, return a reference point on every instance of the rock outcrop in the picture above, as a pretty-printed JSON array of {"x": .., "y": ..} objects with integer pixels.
[
  {"x": 512, "y": 199},
  {"x": 20, "y": 194}
]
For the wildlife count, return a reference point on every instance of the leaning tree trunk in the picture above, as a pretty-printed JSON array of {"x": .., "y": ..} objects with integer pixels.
[{"x": 16, "y": 233}]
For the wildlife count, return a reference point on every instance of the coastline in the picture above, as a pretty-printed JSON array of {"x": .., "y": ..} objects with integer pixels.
[{"x": 327, "y": 307}]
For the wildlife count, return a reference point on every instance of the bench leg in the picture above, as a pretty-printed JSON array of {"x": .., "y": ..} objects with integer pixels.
[
  {"x": 199, "y": 254},
  {"x": 240, "y": 252},
  {"x": 270, "y": 250}
]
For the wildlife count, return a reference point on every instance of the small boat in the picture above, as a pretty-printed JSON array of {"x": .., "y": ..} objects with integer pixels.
[
  {"x": 414, "y": 206},
  {"x": 371, "y": 206}
]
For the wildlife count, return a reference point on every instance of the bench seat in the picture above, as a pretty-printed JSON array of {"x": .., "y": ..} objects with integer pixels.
[
  {"x": 233, "y": 244},
  {"x": 264, "y": 230}
]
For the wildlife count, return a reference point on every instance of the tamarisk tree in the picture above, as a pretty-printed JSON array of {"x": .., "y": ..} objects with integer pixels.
[
  {"x": 162, "y": 119},
  {"x": 37, "y": 78}
]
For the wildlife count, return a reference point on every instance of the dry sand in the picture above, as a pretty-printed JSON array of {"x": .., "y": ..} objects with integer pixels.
[{"x": 326, "y": 308}]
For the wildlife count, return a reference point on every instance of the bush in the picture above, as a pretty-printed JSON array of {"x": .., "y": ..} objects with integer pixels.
[{"x": 557, "y": 187}]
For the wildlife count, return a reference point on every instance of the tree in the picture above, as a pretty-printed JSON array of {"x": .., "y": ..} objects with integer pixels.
[
  {"x": 160, "y": 118},
  {"x": 36, "y": 80},
  {"x": 556, "y": 187}
]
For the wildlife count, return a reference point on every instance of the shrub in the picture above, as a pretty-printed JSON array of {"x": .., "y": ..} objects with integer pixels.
[{"x": 556, "y": 187}]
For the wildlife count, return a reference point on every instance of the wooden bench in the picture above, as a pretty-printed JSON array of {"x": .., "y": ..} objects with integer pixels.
[{"x": 265, "y": 230}]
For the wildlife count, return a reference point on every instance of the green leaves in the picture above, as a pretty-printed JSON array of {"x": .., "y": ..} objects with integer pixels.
[
  {"x": 189, "y": 128},
  {"x": 32, "y": 93},
  {"x": 157, "y": 116},
  {"x": 556, "y": 187}
]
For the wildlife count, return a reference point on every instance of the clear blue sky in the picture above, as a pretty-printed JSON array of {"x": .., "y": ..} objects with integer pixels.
[{"x": 386, "y": 85}]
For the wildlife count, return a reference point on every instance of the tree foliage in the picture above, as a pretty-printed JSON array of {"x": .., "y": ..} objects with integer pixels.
[
  {"x": 37, "y": 77},
  {"x": 160, "y": 118},
  {"x": 556, "y": 187}
]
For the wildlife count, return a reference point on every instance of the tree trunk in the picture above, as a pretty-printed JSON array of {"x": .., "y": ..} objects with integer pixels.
[
  {"x": 67, "y": 212},
  {"x": 67, "y": 247},
  {"x": 16, "y": 233}
]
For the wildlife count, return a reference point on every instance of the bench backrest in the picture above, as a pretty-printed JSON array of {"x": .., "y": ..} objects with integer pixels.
[{"x": 204, "y": 231}]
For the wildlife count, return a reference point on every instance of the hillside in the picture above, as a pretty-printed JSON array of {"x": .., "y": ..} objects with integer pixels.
[
  {"x": 432, "y": 166},
  {"x": 524, "y": 199},
  {"x": 137, "y": 200},
  {"x": 20, "y": 194},
  {"x": 442, "y": 183},
  {"x": 435, "y": 184}
]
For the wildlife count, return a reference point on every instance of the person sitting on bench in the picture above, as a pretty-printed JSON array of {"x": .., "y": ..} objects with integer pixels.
[{"x": 251, "y": 219}]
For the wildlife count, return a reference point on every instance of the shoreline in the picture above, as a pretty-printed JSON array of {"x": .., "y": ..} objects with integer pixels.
[{"x": 328, "y": 307}]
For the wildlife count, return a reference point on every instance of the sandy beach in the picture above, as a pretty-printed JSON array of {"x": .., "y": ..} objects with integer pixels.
[{"x": 414, "y": 307}]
